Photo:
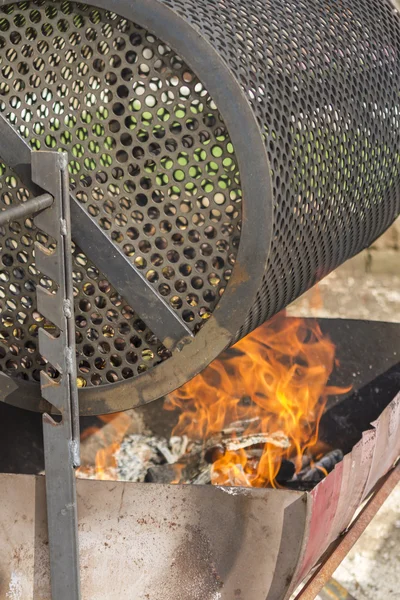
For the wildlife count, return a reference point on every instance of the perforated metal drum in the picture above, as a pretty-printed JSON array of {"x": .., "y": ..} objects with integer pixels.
[{"x": 223, "y": 155}]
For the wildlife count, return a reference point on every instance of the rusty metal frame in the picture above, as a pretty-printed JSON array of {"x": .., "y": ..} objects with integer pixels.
[{"x": 342, "y": 547}]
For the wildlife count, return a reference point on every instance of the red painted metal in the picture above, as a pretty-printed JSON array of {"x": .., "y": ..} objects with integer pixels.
[{"x": 324, "y": 573}]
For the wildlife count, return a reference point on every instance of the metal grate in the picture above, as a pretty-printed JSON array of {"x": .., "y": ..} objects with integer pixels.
[
  {"x": 150, "y": 160},
  {"x": 323, "y": 79},
  {"x": 308, "y": 93},
  {"x": 112, "y": 342},
  {"x": 150, "y": 157}
]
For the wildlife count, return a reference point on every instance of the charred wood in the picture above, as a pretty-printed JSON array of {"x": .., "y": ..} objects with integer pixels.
[
  {"x": 224, "y": 441},
  {"x": 204, "y": 477},
  {"x": 286, "y": 472},
  {"x": 162, "y": 474},
  {"x": 321, "y": 468}
]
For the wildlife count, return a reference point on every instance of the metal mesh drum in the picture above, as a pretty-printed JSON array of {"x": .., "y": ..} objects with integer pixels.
[{"x": 224, "y": 156}]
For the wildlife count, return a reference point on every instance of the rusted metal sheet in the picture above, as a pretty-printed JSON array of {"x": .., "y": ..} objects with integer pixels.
[
  {"x": 351, "y": 490},
  {"x": 324, "y": 500},
  {"x": 347, "y": 541},
  {"x": 347, "y": 486},
  {"x": 387, "y": 445}
]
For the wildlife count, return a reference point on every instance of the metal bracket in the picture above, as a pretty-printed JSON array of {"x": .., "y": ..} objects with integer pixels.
[
  {"x": 61, "y": 438},
  {"x": 49, "y": 172}
]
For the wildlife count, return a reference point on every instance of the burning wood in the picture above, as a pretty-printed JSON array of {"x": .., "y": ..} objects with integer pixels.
[
  {"x": 286, "y": 472},
  {"x": 204, "y": 477},
  {"x": 139, "y": 454},
  {"x": 276, "y": 439},
  {"x": 164, "y": 474},
  {"x": 233, "y": 438},
  {"x": 274, "y": 381},
  {"x": 178, "y": 460},
  {"x": 250, "y": 419}
]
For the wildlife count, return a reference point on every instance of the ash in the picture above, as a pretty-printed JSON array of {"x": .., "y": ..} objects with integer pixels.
[
  {"x": 156, "y": 459},
  {"x": 138, "y": 453}
]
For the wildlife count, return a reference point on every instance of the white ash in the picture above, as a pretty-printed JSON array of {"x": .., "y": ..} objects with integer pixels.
[
  {"x": 204, "y": 476},
  {"x": 276, "y": 439},
  {"x": 138, "y": 453}
]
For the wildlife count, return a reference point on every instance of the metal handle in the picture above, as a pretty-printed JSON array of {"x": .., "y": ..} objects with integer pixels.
[{"x": 34, "y": 205}]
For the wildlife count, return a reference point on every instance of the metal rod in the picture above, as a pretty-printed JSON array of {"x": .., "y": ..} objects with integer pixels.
[
  {"x": 324, "y": 573},
  {"x": 70, "y": 332},
  {"x": 31, "y": 206}
]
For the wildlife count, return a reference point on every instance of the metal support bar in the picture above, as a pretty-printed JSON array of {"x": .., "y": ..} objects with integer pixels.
[
  {"x": 325, "y": 571},
  {"x": 61, "y": 438},
  {"x": 19, "y": 211},
  {"x": 161, "y": 319}
]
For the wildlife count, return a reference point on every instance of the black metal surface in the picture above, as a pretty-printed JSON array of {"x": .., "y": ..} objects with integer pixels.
[
  {"x": 343, "y": 424},
  {"x": 322, "y": 79},
  {"x": 308, "y": 116},
  {"x": 365, "y": 351},
  {"x": 21, "y": 441}
]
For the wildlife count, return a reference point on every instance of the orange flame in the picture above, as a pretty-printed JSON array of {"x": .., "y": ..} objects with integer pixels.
[
  {"x": 178, "y": 468},
  {"x": 275, "y": 379},
  {"x": 106, "y": 464},
  {"x": 108, "y": 441}
]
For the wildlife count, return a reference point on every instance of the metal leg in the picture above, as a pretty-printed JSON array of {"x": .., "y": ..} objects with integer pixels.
[
  {"x": 61, "y": 439},
  {"x": 61, "y": 512},
  {"x": 333, "y": 590}
]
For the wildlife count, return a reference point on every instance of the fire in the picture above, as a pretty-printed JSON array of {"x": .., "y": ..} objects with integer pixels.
[
  {"x": 107, "y": 443},
  {"x": 106, "y": 464},
  {"x": 265, "y": 396},
  {"x": 275, "y": 381}
]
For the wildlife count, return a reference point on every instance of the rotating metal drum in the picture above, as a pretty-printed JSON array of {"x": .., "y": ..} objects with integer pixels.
[{"x": 223, "y": 157}]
